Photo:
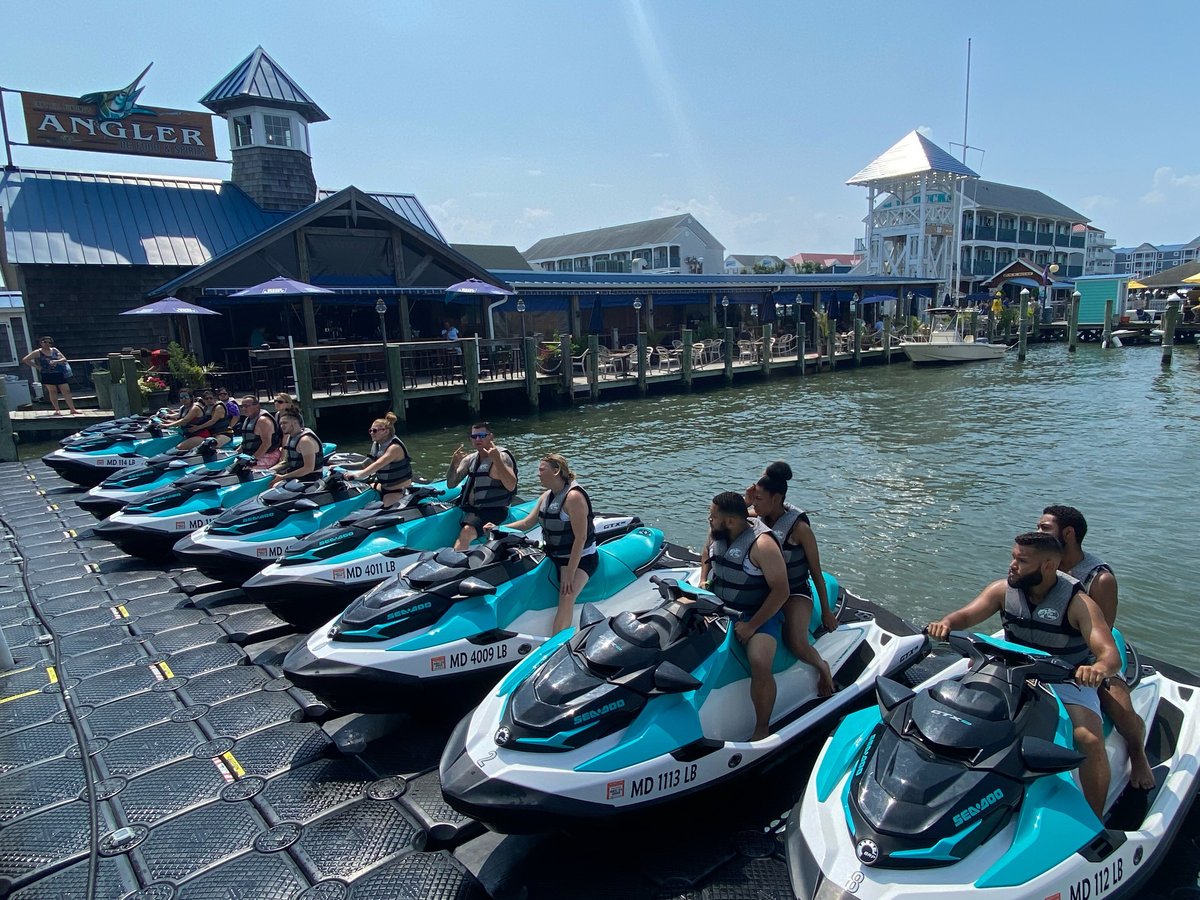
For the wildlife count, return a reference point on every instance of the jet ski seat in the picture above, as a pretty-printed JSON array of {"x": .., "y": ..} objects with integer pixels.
[{"x": 638, "y": 632}]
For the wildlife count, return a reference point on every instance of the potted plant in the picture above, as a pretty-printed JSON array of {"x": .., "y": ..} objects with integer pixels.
[
  {"x": 185, "y": 371},
  {"x": 154, "y": 390}
]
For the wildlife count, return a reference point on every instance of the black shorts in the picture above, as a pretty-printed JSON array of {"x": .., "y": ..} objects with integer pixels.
[
  {"x": 476, "y": 518},
  {"x": 587, "y": 564},
  {"x": 53, "y": 378}
]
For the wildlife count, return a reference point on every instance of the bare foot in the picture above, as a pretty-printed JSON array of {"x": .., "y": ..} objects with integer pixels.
[
  {"x": 760, "y": 734},
  {"x": 1140, "y": 775},
  {"x": 824, "y": 680},
  {"x": 56, "y": 413}
]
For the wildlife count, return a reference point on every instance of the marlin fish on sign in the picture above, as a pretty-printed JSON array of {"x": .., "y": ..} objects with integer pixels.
[{"x": 112, "y": 106}]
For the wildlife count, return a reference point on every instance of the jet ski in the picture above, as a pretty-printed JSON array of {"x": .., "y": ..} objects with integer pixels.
[
  {"x": 151, "y": 526},
  {"x": 647, "y": 707},
  {"x": 124, "y": 423},
  {"x": 91, "y": 458},
  {"x": 135, "y": 484},
  {"x": 461, "y": 617},
  {"x": 242, "y": 540},
  {"x": 964, "y": 788}
]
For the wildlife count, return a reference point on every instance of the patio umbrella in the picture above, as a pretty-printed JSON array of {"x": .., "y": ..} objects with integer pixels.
[
  {"x": 1192, "y": 279},
  {"x": 171, "y": 306},
  {"x": 1136, "y": 286},
  {"x": 481, "y": 288}
]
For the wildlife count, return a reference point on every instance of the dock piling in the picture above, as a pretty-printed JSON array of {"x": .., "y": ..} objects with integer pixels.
[
  {"x": 1106, "y": 341},
  {"x": 857, "y": 325},
  {"x": 470, "y": 349},
  {"x": 1073, "y": 323},
  {"x": 593, "y": 366},
  {"x": 642, "y": 361},
  {"x": 1170, "y": 317},
  {"x": 728, "y": 346},
  {"x": 1022, "y": 321},
  {"x": 8, "y": 453},
  {"x": 129, "y": 380},
  {"x": 568, "y": 367},
  {"x": 887, "y": 340},
  {"x": 529, "y": 351},
  {"x": 801, "y": 345},
  {"x": 766, "y": 349},
  {"x": 685, "y": 358},
  {"x": 304, "y": 382},
  {"x": 394, "y": 369}
]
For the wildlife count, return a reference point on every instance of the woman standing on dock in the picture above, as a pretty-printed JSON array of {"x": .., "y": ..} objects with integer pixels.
[
  {"x": 54, "y": 371},
  {"x": 791, "y": 526},
  {"x": 390, "y": 463}
]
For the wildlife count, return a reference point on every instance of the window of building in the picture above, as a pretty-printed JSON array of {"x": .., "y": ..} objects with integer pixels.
[
  {"x": 583, "y": 264},
  {"x": 278, "y": 130},
  {"x": 674, "y": 257},
  {"x": 8, "y": 353},
  {"x": 564, "y": 265},
  {"x": 643, "y": 255},
  {"x": 660, "y": 257},
  {"x": 243, "y": 131}
]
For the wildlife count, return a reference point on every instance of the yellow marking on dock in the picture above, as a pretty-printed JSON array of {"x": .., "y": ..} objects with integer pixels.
[
  {"x": 53, "y": 675},
  {"x": 120, "y": 612},
  {"x": 70, "y": 533},
  {"x": 166, "y": 670},
  {"x": 17, "y": 671},
  {"x": 19, "y": 696},
  {"x": 234, "y": 765}
]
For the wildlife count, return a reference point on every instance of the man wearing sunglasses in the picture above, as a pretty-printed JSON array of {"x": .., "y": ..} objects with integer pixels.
[{"x": 491, "y": 482}]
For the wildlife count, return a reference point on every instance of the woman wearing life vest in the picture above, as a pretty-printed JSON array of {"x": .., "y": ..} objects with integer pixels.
[
  {"x": 791, "y": 527},
  {"x": 565, "y": 513},
  {"x": 390, "y": 466}
]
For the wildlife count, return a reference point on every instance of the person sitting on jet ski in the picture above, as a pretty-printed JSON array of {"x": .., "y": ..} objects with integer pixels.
[
  {"x": 568, "y": 533},
  {"x": 261, "y": 435},
  {"x": 792, "y": 529},
  {"x": 302, "y": 457},
  {"x": 749, "y": 575},
  {"x": 390, "y": 463},
  {"x": 1068, "y": 525},
  {"x": 491, "y": 475},
  {"x": 1048, "y": 610},
  {"x": 213, "y": 421}
]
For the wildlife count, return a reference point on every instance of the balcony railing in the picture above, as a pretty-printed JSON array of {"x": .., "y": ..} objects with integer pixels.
[
  {"x": 1026, "y": 237},
  {"x": 1045, "y": 239},
  {"x": 1006, "y": 235},
  {"x": 985, "y": 232}
]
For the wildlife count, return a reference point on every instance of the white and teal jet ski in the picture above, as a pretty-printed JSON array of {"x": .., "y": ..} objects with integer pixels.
[
  {"x": 454, "y": 618},
  {"x": 648, "y": 707},
  {"x": 89, "y": 457},
  {"x": 965, "y": 788}
]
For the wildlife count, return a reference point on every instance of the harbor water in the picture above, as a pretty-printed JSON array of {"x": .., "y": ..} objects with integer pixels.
[{"x": 918, "y": 479}]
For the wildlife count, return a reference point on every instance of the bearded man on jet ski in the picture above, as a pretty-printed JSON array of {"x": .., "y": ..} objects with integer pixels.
[
  {"x": 261, "y": 435},
  {"x": 1068, "y": 525},
  {"x": 390, "y": 463},
  {"x": 491, "y": 476},
  {"x": 1048, "y": 610},
  {"x": 748, "y": 573},
  {"x": 302, "y": 457},
  {"x": 568, "y": 533}
]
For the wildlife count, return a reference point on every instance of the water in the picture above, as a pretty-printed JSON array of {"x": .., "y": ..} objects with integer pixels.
[{"x": 918, "y": 478}]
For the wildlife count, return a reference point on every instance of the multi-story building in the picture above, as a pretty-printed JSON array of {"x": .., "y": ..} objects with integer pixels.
[
  {"x": 1145, "y": 260},
  {"x": 1098, "y": 255},
  {"x": 675, "y": 245},
  {"x": 829, "y": 262},
  {"x": 757, "y": 264}
]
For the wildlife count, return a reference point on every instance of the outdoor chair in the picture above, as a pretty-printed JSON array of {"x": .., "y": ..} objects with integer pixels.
[
  {"x": 668, "y": 360},
  {"x": 579, "y": 363},
  {"x": 604, "y": 363},
  {"x": 699, "y": 354},
  {"x": 745, "y": 351}
]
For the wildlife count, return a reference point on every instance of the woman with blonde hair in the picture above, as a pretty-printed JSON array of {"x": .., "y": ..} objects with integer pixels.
[
  {"x": 565, "y": 513},
  {"x": 390, "y": 465}
]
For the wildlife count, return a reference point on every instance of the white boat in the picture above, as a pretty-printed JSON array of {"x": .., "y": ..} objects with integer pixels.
[{"x": 946, "y": 344}]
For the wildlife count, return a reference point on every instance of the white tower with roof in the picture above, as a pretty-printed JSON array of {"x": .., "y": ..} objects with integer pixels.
[{"x": 913, "y": 213}]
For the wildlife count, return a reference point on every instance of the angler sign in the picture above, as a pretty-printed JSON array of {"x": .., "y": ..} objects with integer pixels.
[{"x": 114, "y": 122}]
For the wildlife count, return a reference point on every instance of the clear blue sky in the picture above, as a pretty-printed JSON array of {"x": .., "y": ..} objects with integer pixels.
[{"x": 517, "y": 121}]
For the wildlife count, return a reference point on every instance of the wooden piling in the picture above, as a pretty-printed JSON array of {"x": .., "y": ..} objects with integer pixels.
[
  {"x": 304, "y": 386},
  {"x": 1073, "y": 324},
  {"x": 887, "y": 340},
  {"x": 801, "y": 342},
  {"x": 831, "y": 346},
  {"x": 1106, "y": 340},
  {"x": 395, "y": 380},
  {"x": 568, "y": 367},
  {"x": 1022, "y": 330},
  {"x": 857, "y": 325},
  {"x": 531, "y": 383},
  {"x": 470, "y": 349},
  {"x": 686, "y": 363},
  {"x": 1168, "y": 326},
  {"x": 728, "y": 346},
  {"x": 8, "y": 452},
  {"x": 642, "y": 363},
  {"x": 766, "y": 350},
  {"x": 129, "y": 381},
  {"x": 593, "y": 366}
]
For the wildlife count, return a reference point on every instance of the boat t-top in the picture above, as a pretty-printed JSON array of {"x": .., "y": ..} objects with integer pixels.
[{"x": 946, "y": 344}]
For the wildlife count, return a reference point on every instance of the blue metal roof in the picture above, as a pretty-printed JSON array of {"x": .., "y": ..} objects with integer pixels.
[
  {"x": 583, "y": 281},
  {"x": 260, "y": 78},
  {"x": 405, "y": 205},
  {"x": 101, "y": 219}
]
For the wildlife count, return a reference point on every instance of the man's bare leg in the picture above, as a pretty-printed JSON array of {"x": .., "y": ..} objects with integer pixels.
[
  {"x": 1118, "y": 706},
  {"x": 1094, "y": 772}
]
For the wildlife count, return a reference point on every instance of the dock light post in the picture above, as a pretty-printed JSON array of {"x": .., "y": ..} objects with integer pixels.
[
  {"x": 637, "y": 311},
  {"x": 724, "y": 312},
  {"x": 381, "y": 309},
  {"x": 521, "y": 310},
  {"x": 909, "y": 311},
  {"x": 1047, "y": 279}
]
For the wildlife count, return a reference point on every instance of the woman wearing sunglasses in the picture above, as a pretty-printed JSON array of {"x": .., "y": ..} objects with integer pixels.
[
  {"x": 390, "y": 465},
  {"x": 490, "y": 472},
  {"x": 565, "y": 513}
]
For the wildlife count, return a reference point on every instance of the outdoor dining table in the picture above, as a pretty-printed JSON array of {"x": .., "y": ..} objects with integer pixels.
[{"x": 620, "y": 360}]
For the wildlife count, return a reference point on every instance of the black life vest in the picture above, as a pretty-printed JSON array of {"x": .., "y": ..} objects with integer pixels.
[
  {"x": 394, "y": 472},
  {"x": 793, "y": 554},
  {"x": 295, "y": 460},
  {"x": 558, "y": 535},
  {"x": 251, "y": 441},
  {"x": 482, "y": 491},
  {"x": 730, "y": 581},
  {"x": 1045, "y": 626}
]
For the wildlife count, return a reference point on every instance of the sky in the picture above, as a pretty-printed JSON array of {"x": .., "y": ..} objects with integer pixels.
[{"x": 522, "y": 120}]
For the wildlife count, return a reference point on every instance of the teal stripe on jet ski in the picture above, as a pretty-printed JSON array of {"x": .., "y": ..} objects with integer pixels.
[
  {"x": 939, "y": 851},
  {"x": 655, "y": 732},
  {"x": 1009, "y": 645},
  {"x": 526, "y": 666},
  {"x": 844, "y": 747},
  {"x": 1053, "y": 823}
]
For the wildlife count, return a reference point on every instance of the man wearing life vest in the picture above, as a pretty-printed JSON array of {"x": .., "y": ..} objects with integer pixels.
[
  {"x": 1048, "y": 610},
  {"x": 743, "y": 560},
  {"x": 302, "y": 456},
  {"x": 1068, "y": 525},
  {"x": 261, "y": 436},
  {"x": 491, "y": 483}
]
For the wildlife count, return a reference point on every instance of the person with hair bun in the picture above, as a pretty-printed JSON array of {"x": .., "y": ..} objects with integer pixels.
[
  {"x": 565, "y": 513},
  {"x": 390, "y": 463},
  {"x": 792, "y": 529}
]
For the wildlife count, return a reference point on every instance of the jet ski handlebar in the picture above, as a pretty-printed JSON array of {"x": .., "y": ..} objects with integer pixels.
[
  {"x": 1024, "y": 663},
  {"x": 707, "y": 602}
]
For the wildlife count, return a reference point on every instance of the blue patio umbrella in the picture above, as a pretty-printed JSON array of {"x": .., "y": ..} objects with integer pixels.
[
  {"x": 477, "y": 288},
  {"x": 170, "y": 306},
  {"x": 281, "y": 287}
]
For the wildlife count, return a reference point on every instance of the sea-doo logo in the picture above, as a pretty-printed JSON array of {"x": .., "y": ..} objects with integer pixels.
[
  {"x": 946, "y": 715},
  {"x": 867, "y": 851},
  {"x": 862, "y": 760},
  {"x": 335, "y": 538},
  {"x": 409, "y": 610},
  {"x": 964, "y": 816},
  {"x": 1048, "y": 615},
  {"x": 597, "y": 713},
  {"x": 502, "y": 737},
  {"x": 734, "y": 553}
]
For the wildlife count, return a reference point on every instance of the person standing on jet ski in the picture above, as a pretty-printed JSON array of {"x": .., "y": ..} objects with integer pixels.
[
  {"x": 1048, "y": 610},
  {"x": 749, "y": 575},
  {"x": 1068, "y": 525},
  {"x": 302, "y": 457},
  {"x": 792, "y": 529},
  {"x": 390, "y": 463},
  {"x": 568, "y": 533},
  {"x": 491, "y": 476},
  {"x": 261, "y": 435}
]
